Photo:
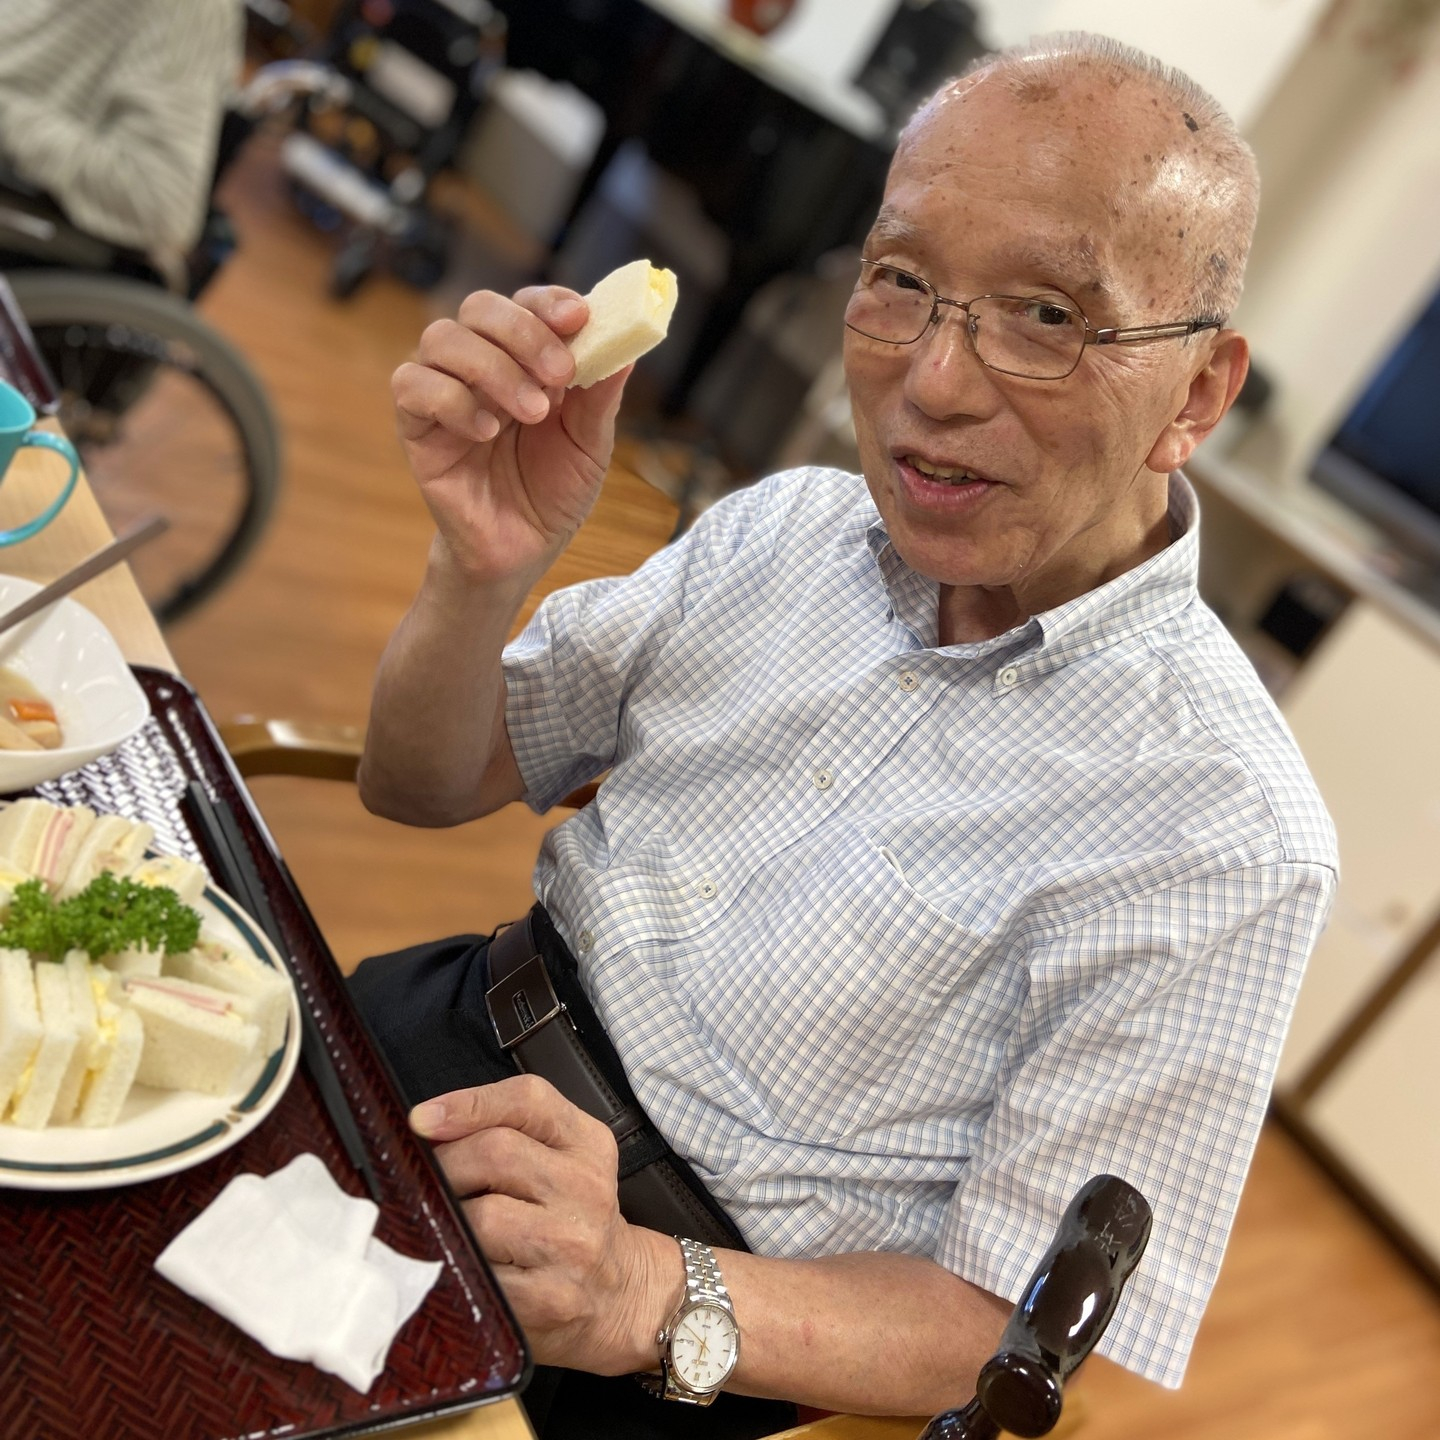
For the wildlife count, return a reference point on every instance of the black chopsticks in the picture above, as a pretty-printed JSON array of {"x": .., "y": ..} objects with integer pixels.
[{"x": 219, "y": 831}]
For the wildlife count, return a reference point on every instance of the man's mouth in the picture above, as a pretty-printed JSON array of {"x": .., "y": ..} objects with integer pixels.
[
  {"x": 938, "y": 474},
  {"x": 943, "y": 474}
]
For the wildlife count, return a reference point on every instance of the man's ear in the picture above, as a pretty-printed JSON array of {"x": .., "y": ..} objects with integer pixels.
[{"x": 1212, "y": 392}]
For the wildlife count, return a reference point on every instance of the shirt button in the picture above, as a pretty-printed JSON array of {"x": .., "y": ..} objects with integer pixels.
[
  {"x": 584, "y": 941},
  {"x": 823, "y": 779},
  {"x": 1008, "y": 676},
  {"x": 908, "y": 680},
  {"x": 707, "y": 889}
]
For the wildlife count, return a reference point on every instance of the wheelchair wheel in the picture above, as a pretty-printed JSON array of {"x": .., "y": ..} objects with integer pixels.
[{"x": 168, "y": 417}]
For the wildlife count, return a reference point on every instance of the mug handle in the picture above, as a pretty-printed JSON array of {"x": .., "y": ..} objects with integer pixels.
[{"x": 43, "y": 440}]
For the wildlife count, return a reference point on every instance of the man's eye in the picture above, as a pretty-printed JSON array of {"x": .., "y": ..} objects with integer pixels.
[
  {"x": 886, "y": 277},
  {"x": 1044, "y": 313}
]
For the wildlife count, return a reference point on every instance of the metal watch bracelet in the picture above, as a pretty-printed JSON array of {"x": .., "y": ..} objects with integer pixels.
[{"x": 703, "y": 1286}]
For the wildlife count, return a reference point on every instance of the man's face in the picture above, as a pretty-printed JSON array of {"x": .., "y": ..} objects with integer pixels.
[{"x": 1062, "y": 197}]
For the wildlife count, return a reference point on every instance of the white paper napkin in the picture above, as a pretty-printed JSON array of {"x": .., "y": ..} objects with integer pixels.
[{"x": 292, "y": 1260}]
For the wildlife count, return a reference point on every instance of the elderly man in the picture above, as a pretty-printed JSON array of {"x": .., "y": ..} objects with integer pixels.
[{"x": 950, "y": 851}]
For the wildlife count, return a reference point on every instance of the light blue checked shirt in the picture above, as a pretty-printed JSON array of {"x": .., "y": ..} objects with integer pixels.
[{"x": 900, "y": 944}]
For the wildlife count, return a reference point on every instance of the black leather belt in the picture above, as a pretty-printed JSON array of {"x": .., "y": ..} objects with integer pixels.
[{"x": 535, "y": 1028}]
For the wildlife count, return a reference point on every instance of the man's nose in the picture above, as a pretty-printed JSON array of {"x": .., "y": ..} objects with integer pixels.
[{"x": 946, "y": 377}]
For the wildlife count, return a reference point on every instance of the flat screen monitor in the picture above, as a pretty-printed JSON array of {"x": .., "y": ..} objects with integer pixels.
[{"x": 1384, "y": 460}]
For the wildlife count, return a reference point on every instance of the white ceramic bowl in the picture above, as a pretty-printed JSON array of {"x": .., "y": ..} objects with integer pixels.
[{"x": 74, "y": 662}]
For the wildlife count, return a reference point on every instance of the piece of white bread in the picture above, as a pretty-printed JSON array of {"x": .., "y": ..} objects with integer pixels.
[
  {"x": 184, "y": 877},
  {"x": 35, "y": 1095},
  {"x": 43, "y": 839},
  {"x": 12, "y": 876},
  {"x": 137, "y": 960},
  {"x": 20, "y": 1027},
  {"x": 630, "y": 312},
  {"x": 112, "y": 844},
  {"x": 195, "y": 1037},
  {"x": 261, "y": 994},
  {"x": 122, "y": 1043},
  {"x": 85, "y": 1018}
]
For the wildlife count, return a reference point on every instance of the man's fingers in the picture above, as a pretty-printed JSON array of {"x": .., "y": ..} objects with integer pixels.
[
  {"x": 589, "y": 415},
  {"x": 497, "y": 379},
  {"x": 425, "y": 398},
  {"x": 523, "y": 1102},
  {"x": 525, "y": 336},
  {"x": 562, "y": 310},
  {"x": 502, "y": 1161}
]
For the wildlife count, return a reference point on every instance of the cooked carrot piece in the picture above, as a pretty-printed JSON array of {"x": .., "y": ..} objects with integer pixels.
[{"x": 28, "y": 710}]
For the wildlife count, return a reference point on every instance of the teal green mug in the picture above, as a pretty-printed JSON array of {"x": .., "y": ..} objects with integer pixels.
[{"x": 17, "y": 417}]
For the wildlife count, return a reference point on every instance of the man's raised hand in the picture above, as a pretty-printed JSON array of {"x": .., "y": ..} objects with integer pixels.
[{"x": 509, "y": 461}]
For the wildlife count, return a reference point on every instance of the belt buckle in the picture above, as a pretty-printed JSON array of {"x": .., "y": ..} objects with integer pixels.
[{"x": 522, "y": 1002}]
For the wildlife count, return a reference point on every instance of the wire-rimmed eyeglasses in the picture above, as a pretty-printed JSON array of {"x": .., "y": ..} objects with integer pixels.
[{"x": 1035, "y": 338}]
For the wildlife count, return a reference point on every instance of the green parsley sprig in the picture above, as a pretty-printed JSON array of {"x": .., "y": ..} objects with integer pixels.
[{"x": 112, "y": 913}]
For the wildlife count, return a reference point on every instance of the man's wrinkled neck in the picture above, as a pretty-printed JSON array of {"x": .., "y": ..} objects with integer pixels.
[{"x": 968, "y": 614}]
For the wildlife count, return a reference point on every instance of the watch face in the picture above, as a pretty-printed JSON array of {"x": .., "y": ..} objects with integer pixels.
[{"x": 704, "y": 1348}]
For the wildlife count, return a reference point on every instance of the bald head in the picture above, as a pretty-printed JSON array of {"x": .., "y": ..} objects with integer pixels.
[{"x": 1175, "y": 170}]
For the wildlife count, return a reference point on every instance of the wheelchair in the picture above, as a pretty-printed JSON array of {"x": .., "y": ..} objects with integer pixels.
[{"x": 167, "y": 414}]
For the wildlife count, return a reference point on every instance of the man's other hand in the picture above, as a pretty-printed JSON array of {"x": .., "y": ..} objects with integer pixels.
[{"x": 538, "y": 1180}]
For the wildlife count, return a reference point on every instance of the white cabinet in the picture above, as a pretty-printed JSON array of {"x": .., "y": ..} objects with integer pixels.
[
  {"x": 1380, "y": 1111},
  {"x": 1365, "y": 709},
  {"x": 1360, "y": 1072}
]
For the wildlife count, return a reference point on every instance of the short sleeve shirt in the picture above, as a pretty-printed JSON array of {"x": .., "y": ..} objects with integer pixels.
[{"x": 901, "y": 943}]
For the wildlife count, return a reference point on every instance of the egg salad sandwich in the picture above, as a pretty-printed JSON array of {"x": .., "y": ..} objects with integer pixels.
[
  {"x": 113, "y": 844},
  {"x": 11, "y": 876},
  {"x": 184, "y": 877},
  {"x": 84, "y": 1018},
  {"x": 40, "y": 1086},
  {"x": 20, "y": 1027},
  {"x": 120, "y": 1040},
  {"x": 43, "y": 839},
  {"x": 630, "y": 312},
  {"x": 259, "y": 993},
  {"x": 195, "y": 1036}
]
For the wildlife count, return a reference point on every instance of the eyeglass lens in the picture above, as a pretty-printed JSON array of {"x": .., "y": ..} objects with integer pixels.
[{"x": 1033, "y": 338}]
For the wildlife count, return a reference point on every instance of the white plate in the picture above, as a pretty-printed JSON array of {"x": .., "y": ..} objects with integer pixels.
[
  {"x": 160, "y": 1131},
  {"x": 74, "y": 662}
]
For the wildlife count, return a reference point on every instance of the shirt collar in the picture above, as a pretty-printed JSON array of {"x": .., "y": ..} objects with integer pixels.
[{"x": 1142, "y": 597}]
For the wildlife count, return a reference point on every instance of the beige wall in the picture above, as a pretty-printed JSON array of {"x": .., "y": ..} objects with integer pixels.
[{"x": 1348, "y": 248}]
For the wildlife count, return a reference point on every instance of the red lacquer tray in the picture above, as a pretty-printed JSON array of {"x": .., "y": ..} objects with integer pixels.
[{"x": 93, "y": 1343}]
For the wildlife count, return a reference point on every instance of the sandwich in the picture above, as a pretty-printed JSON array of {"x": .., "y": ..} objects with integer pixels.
[
  {"x": 20, "y": 1027},
  {"x": 630, "y": 312},
  {"x": 195, "y": 1036},
  {"x": 111, "y": 844},
  {"x": 121, "y": 1041},
  {"x": 184, "y": 877},
  {"x": 137, "y": 960},
  {"x": 84, "y": 1017},
  {"x": 11, "y": 876},
  {"x": 259, "y": 993},
  {"x": 43, "y": 839},
  {"x": 36, "y": 1093}
]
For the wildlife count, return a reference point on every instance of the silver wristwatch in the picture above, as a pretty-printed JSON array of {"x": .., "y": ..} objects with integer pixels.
[{"x": 700, "y": 1342}]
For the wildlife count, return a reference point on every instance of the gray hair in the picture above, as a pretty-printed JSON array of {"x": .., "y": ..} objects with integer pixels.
[{"x": 1225, "y": 197}]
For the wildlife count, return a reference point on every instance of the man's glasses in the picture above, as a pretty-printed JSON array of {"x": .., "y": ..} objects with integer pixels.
[{"x": 1036, "y": 339}]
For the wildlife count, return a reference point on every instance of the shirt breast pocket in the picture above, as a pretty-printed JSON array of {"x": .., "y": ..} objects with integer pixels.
[{"x": 865, "y": 1008}]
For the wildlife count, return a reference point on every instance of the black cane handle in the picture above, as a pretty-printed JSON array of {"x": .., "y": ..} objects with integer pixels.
[{"x": 1061, "y": 1316}]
